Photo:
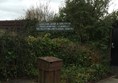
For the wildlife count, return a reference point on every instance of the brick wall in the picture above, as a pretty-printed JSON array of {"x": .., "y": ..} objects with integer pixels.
[{"x": 13, "y": 25}]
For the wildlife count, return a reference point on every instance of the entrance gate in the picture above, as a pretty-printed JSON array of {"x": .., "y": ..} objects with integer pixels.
[{"x": 114, "y": 47}]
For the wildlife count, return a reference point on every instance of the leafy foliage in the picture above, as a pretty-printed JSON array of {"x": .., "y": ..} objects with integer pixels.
[
  {"x": 18, "y": 55},
  {"x": 87, "y": 17},
  {"x": 90, "y": 74}
]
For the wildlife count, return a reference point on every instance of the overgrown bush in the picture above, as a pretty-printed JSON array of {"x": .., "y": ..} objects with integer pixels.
[
  {"x": 90, "y": 74},
  {"x": 18, "y": 57}
]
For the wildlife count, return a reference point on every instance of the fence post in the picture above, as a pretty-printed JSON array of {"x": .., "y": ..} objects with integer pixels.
[{"x": 49, "y": 69}]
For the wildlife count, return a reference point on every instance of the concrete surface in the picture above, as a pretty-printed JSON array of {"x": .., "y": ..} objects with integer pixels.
[
  {"x": 113, "y": 79},
  {"x": 109, "y": 80}
]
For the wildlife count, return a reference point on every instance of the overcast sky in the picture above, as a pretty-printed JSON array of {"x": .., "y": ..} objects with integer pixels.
[{"x": 13, "y": 9}]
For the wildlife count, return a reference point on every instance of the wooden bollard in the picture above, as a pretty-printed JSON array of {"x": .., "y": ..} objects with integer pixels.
[{"x": 49, "y": 69}]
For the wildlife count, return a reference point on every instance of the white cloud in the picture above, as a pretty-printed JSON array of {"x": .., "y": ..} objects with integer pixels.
[
  {"x": 12, "y": 9},
  {"x": 113, "y": 6}
]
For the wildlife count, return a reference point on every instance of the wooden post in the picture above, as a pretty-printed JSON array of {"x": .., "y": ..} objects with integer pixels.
[{"x": 49, "y": 69}]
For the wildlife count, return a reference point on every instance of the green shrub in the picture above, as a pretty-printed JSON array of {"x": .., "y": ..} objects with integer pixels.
[
  {"x": 18, "y": 57},
  {"x": 75, "y": 74}
]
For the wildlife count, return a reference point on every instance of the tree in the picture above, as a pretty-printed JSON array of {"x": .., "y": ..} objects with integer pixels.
[
  {"x": 34, "y": 15},
  {"x": 86, "y": 16},
  {"x": 40, "y": 13}
]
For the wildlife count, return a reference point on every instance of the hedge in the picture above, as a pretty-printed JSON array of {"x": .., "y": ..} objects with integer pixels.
[{"x": 18, "y": 55}]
